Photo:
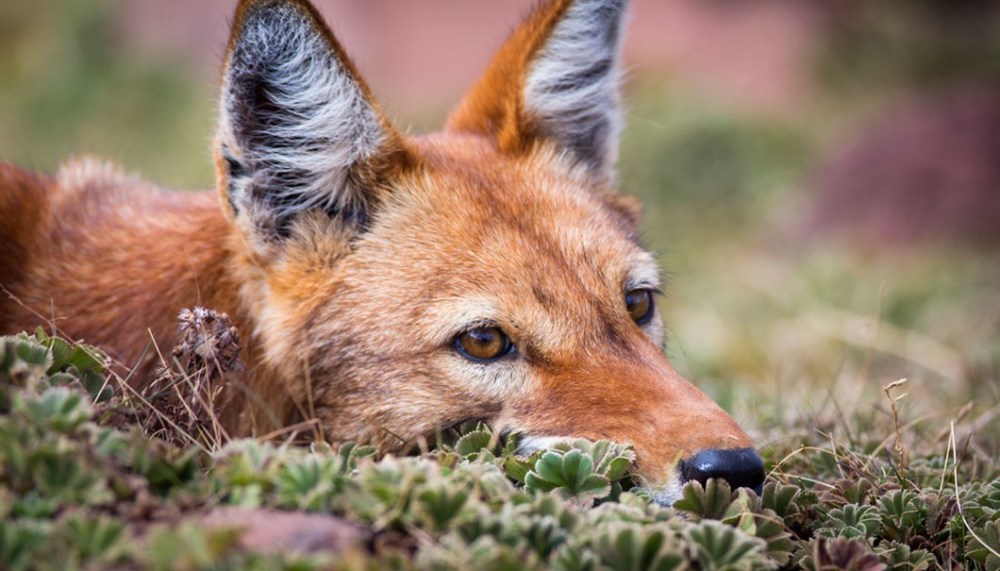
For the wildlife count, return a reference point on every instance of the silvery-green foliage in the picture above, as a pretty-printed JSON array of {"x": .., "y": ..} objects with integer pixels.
[{"x": 72, "y": 490}]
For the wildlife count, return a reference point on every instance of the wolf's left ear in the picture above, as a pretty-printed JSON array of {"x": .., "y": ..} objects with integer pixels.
[
  {"x": 556, "y": 78},
  {"x": 298, "y": 130}
]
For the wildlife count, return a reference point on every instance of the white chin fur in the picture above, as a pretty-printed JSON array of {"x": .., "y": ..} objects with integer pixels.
[
  {"x": 669, "y": 492},
  {"x": 529, "y": 444}
]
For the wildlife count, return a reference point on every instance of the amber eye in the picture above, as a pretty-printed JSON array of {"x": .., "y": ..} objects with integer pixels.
[
  {"x": 483, "y": 344},
  {"x": 639, "y": 303}
]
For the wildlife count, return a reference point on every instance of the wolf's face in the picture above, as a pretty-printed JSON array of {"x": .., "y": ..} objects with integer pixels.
[{"x": 490, "y": 271}]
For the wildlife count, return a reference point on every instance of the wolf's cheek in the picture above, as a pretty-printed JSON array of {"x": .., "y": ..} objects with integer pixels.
[{"x": 504, "y": 381}]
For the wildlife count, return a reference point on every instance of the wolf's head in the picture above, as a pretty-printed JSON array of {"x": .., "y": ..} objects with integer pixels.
[{"x": 490, "y": 271}]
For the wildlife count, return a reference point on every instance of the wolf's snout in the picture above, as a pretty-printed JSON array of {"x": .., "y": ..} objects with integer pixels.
[{"x": 741, "y": 467}]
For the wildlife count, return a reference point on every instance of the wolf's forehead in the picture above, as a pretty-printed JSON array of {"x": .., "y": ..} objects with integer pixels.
[
  {"x": 537, "y": 225},
  {"x": 538, "y": 211}
]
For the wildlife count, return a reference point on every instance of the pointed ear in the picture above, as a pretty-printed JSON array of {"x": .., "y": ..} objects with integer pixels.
[
  {"x": 298, "y": 129},
  {"x": 557, "y": 78}
]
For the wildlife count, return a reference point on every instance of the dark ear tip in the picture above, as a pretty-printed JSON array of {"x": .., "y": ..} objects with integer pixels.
[
  {"x": 257, "y": 23},
  {"x": 252, "y": 5},
  {"x": 251, "y": 9}
]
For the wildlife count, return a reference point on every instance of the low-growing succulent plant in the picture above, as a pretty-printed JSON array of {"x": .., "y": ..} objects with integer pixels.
[
  {"x": 78, "y": 493},
  {"x": 852, "y": 520}
]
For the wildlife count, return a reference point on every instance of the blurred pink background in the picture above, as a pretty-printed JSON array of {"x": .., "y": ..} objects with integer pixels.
[
  {"x": 420, "y": 54},
  {"x": 895, "y": 104}
]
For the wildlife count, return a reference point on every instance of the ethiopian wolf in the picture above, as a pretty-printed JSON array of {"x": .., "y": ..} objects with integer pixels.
[{"x": 390, "y": 285}]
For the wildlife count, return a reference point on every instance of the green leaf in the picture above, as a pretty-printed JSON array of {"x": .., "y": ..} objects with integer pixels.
[
  {"x": 852, "y": 520},
  {"x": 709, "y": 502},
  {"x": 310, "y": 482},
  {"x": 901, "y": 556},
  {"x": 188, "y": 547},
  {"x": 633, "y": 547},
  {"x": 440, "y": 505},
  {"x": 782, "y": 499},
  {"x": 570, "y": 473},
  {"x": 517, "y": 467},
  {"x": 771, "y": 529},
  {"x": 903, "y": 514},
  {"x": 612, "y": 459},
  {"x": 352, "y": 454},
  {"x": 57, "y": 408},
  {"x": 470, "y": 445},
  {"x": 985, "y": 548},
  {"x": 31, "y": 352},
  {"x": 722, "y": 547},
  {"x": 575, "y": 558},
  {"x": 94, "y": 539},
  {"x": 841, "y": 553},
  {"x": 22, "y": 543}
]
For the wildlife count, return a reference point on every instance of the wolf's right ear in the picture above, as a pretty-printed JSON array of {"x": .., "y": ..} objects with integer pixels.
[{"x": 298, "y": 130}]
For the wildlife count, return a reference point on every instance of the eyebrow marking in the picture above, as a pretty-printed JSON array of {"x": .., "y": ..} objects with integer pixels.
[
  {"x": 455, "y": 315},
  {"x": 643, "y": 272}
]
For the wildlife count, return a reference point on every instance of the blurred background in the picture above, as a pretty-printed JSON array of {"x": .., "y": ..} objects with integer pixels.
[{"x": 821, "y": 179}]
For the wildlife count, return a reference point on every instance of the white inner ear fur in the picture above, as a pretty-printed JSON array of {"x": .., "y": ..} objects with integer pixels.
[
  {"x": 317, "y": 125},
  {"x": 572, "y": 85}
]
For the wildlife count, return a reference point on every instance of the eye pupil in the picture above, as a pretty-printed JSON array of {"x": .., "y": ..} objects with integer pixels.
[
  {"x": 483, "y": 343},
  {"x": 639, "y": 303}
]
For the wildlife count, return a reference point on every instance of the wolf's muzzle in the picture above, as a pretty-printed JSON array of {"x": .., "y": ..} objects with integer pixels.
[{"x": 741, "y": 467}]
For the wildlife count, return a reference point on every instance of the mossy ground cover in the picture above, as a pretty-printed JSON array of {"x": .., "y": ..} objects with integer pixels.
[{"x": 82, "y": 490}]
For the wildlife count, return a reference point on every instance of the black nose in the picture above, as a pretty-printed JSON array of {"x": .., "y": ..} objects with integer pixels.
[{"x": 741, "y": 467}]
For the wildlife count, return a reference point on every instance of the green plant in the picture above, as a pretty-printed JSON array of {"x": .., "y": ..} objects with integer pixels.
[{"x": 78, "y": 494}]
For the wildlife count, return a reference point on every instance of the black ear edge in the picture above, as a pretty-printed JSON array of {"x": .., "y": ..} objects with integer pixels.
[
  {"x": 572, "y": 88},
  {"x": 306, "y": 16},
  {"x": 298, "y": 126}
]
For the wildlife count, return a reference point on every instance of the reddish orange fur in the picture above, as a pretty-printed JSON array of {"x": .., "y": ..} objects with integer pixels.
[
  {"x": 356, "y": 324},
  {"x": 494, "y": 107},
  {"x": 112, "y": 257}
]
